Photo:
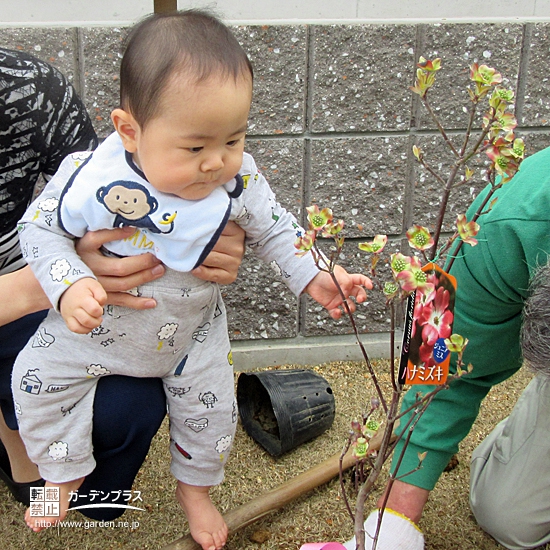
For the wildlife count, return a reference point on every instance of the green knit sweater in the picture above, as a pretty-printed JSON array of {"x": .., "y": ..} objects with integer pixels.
[{"x": 493, "y": 279}]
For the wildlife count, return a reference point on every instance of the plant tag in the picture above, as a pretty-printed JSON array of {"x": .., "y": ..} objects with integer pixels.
[{"x": 429, "y": 319}]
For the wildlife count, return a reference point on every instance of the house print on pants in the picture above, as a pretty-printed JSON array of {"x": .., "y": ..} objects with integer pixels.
[{"x": 30, "y": 383}]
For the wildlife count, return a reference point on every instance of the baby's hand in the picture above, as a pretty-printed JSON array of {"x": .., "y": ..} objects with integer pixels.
[
  {"x": 81, "y": 305},
  {"x": 323, "y": 290}
]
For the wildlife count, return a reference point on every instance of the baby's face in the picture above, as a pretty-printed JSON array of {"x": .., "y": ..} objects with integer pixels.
[{"x": 196, "y": 141}]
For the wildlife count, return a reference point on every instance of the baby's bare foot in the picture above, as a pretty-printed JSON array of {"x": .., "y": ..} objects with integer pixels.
[
  {"x": 38, "y": 523},
  {"x": 206, "y": 524}
]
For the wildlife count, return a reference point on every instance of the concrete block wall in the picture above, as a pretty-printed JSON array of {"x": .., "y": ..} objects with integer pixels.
[{"x": 333, "y": 123}]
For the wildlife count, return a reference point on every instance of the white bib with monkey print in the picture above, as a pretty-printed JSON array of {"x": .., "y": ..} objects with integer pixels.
[{"x": 108, "y": 190}]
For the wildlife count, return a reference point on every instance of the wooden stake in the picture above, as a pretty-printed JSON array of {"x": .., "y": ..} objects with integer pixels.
[{"x": 165, "y": 5}]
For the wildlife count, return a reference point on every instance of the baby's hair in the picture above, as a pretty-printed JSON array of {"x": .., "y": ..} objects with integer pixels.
[{"x": 193, "y": 42}]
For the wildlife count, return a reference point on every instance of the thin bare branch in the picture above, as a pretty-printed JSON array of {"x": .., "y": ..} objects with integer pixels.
[{"x": 439, "y": 127}]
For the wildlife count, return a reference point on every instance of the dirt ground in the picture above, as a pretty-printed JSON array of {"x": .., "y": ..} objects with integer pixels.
[{"x": 318, "y": 516}]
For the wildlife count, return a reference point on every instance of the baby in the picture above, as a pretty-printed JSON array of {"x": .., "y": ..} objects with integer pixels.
[{"x": 176, "y": 171}]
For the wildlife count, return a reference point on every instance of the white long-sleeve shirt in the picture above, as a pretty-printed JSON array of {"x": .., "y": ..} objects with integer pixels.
[{"x": 87, "y": 193}]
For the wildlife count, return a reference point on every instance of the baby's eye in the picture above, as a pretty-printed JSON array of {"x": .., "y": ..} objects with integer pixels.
[
  {"x": 232, "y": 142},
  {"x": 195, "y": 149}
]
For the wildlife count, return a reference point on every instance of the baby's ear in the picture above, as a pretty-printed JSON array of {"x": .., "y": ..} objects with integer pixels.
[{"x": 127, "y": 128}]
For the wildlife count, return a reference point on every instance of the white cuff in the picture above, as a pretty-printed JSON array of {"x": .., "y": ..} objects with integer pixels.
[{"x": 397, "y": 532}]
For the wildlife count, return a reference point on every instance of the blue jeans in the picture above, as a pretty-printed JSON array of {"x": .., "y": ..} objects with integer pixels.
[{"x": 127, "y": 414}]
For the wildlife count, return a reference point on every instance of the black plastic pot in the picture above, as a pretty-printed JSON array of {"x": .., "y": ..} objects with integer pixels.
[{"x": 281, "y": 409}]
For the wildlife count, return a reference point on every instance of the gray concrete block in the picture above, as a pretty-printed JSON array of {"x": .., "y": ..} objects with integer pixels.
[
  {"x": 279, "y": 56},
  {"x": 103, "y": 48},
  {"x": 536, "y": 111},
  {"x": 55, "y": 45},
  {"x": 535, "y": 141},
  {"x": 361, "y": 76},
  {"x": 260, "y": 304},
  {"x": 363, "y": 181},
  {"x": 277, "y": 53},
  {"x": 428, "y": 190},
  {"x": 458, "y": 46},
  {"x": 372, "y": 316},
  {"x": 281, "y": 161}
]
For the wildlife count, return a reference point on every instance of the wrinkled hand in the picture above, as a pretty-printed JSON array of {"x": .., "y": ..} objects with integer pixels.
[
  {"x": 118, "y": 275},
  {"x": 222, "y": 264},
  {"x": 81, "y": 305},
  {"x": 323, "y": 290}
]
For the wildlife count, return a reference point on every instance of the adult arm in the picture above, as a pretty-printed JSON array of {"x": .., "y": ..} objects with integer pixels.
[
  {"x": 493, "y": 279},
  {"x": 116, "y": 275},
  {"x": 30, "y": 296},
  {"x": 488, "y": 313}
]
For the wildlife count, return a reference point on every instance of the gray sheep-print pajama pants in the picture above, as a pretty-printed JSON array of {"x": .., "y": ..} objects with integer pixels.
[{"x": 183, "y": 340}]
